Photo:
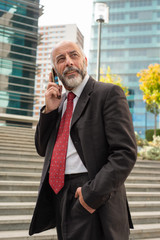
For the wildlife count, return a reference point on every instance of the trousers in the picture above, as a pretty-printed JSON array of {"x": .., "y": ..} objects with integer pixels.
[{"x": 73, "y": 221}]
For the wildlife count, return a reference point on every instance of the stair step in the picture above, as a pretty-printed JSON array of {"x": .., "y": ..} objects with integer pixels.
[
  {"x": 145, "y": 231},
  {"x": 27, "y": 145},
  {"x": 18, "y": 196},
  {"x": 142, "y": 187},
  {"x": 16, "y": 130},
  {"x": 147, "y": 167},
  {"x": 145, "y": 217},
  {"x": 21, "y": 168},
  {"x": 23, "y": 235},
  {"x": 19, "y": 185},
  {"x": 16, "y": 208},
  {"x": 147, "y": 162},
  {"x": 24, "y": 138},
  {"x": 143, "y": 196},
  {"x": 22, "y": 176},
  {"x": 142, "y": 179},
  {"x": 15, "y": 222},
  {"x": 136, "y": 172},
  {"x": 19, "y": 153},
  {"x": 21, "y": 160},
  {"x": 144, "y": 206},
  {"x": 16, "y": 149}
]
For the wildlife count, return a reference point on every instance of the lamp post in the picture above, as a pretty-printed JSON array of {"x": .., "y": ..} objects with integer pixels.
[{"x": 101, "y": 16}]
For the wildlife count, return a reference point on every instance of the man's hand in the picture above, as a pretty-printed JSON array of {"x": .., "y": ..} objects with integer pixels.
[
  {"x": 52, "y": 95},
  {"x": 82, "y": 202}
]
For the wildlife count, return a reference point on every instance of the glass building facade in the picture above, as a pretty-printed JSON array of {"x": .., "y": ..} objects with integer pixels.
[
  {"x": 129, "y": 42},
  {"x": 18, "y": 44}
]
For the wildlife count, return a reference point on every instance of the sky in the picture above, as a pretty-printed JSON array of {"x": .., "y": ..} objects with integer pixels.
[{"x": 79, "y": 12}]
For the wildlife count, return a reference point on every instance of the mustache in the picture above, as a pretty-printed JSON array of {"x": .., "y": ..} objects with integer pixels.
[{"x": 68, "y": 69}]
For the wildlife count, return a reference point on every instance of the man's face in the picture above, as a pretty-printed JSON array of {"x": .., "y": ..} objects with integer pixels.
[{"x": 70, "y": 64}]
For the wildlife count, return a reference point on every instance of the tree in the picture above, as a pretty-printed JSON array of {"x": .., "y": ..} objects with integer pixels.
[
  {"x": 150, "y": 86},
  {"x": 115, "y": 79}
]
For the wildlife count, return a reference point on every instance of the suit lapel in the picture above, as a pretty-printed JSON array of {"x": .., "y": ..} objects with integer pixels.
[{"x": 84, "y": 97}]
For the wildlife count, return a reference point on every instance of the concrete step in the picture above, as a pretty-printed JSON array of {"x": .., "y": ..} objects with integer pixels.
[
  {"x": 13, "y": 185},
  {"x": 16, "y": 130},
  {"x": 18, "y": 148},
  {"x": 145, "y": 217},
  {"x": 136, "y": 172},
  {"x": 147, "y": 167},
  {"x": 19, "y": 185},
  {"x": 148, "y": 162},
  {"x": 18, "y": 196},
  {"x": 145, "y": 231},
  {"x": 18, "y": 153},
  {"x": 22, "y": 160},
  {"x": 142, "y": 187},
  {"x": 15, "y": 143},
  {"x": 142, "y": 206},
  {"x": 23, "y": 138},
  {"x": 143, "y": 196},
  {"x": 23, "y": 235},
  {"x": 14, "y": 222},
  {"x": 22, "y": 176},
  {"x": 21, "y": 168},
  {"x": 143, "y": 179},
  {"x": 16, "y": 208}
]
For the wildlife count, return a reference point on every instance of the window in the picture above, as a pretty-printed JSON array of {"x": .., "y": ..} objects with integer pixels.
[
  {"x": 117, "y": 16},
  {"x": 116, "y": 53},
  {"x": 116, "y": 29},
  {"x": 117, "y": 41},
  {"x": 117, "y": 4},
  {"x": 137, "y": 52},
  {"x": 140, "y": 27},
  {"x": 142, "y": 3},
  {"x": 140, "y": 39},
  {"x": 133, "y": 15}
]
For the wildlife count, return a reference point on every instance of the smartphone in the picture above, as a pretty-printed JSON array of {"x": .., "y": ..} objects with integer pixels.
[{"x": 55, "y": 77}]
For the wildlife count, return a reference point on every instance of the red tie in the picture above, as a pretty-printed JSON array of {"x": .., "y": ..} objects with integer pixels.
[{"x": 58, "y": 160}]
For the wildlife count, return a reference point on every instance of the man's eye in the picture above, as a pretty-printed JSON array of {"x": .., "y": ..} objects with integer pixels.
[
  {"x": 74, "y": 55},
  {"x": 60, "y": 60}
]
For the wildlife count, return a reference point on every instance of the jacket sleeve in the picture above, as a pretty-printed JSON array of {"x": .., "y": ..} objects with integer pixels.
[
  {"x": 122, "y": 150},
  {"x": 44, "y": 129}
]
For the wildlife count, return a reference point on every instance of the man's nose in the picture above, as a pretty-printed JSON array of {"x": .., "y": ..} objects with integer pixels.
[{"x": 69, "y": 61}]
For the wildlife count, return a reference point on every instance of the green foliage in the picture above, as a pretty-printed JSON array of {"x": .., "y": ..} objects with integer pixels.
[
  {"x": 150, "y": 132},
  {"x": 151, "y": 152},
  {"x": 150, "y": 86},
  {"x": 115, "y": 79},
  {"x": 140, "y": 141}
]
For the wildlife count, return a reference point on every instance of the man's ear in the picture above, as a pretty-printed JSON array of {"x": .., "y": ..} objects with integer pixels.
[{"x": 86, "y": 61}]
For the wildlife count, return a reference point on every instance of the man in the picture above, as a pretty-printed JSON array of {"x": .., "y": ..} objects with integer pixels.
[{"x": 89, "y": 202}]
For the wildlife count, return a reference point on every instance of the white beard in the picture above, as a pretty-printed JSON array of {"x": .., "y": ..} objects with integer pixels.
[{"x": 72, "y": 82}]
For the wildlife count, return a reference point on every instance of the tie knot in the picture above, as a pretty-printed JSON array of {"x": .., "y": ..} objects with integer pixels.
[{"x": 71, "y": 96}]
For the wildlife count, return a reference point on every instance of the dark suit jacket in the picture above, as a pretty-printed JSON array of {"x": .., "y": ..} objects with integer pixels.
[{"x": 103, "y": 135}]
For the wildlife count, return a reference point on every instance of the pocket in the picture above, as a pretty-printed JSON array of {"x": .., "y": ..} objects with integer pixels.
[{"x": 79, "y": 209}]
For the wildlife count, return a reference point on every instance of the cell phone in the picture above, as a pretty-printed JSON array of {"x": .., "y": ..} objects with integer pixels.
[{"x": 55, "y": 77}]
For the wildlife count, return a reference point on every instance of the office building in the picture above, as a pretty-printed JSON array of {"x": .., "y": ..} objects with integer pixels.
[
  {"x": 18, "y": 44},
  {"x": 50, "y": 36},
  {"x": 129, "y": 42}
]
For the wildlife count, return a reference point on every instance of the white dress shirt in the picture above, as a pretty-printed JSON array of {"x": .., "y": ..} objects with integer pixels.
[{"x": 73, "y": 162}]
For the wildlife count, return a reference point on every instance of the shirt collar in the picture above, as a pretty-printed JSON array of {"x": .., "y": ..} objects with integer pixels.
[{"x": 78, "y": 90}]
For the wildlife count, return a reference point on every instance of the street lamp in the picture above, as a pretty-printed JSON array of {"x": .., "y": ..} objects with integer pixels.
[{"x": 101, "y": 16}]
